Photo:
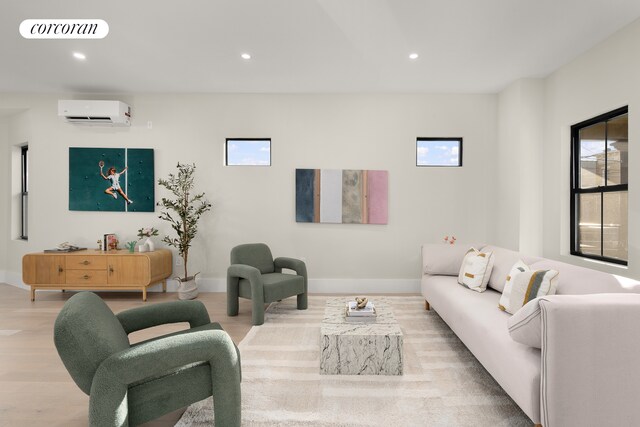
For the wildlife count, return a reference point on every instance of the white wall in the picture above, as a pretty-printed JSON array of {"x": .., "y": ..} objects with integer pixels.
[
  {"x": 604, "y": 78},
  {"x": 257, "y": 204},
  {"x": 4, "y": 194},
  {"x": 518, "y": 218}
]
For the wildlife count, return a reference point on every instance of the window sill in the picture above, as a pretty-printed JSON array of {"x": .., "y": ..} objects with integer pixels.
[{"x": 599, "y": 262}]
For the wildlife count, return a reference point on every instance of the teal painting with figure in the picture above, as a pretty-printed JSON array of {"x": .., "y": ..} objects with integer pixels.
[{"x": 111, "y": 179}]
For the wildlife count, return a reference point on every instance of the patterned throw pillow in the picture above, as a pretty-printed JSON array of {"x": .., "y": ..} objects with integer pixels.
[
  {"x": 476, "y": 270},
  {"x": 527, "y": 286},
  {"x": 518, "y": 267}
]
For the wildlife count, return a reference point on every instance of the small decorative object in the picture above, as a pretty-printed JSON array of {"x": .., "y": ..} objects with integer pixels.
[
  {"x": 131, "y": 246},
  {"x": 361, "y": 302},
  {"x": 450, "y": 240},
  {"x": 99, "y": 242},
  {"x": 143, "y": 248},
  {"x": 148, "y": 233},
  {"x": 109, "y": 242},
  {"x": 361, "y": 309},
  {"x": 188, "y": 209}
]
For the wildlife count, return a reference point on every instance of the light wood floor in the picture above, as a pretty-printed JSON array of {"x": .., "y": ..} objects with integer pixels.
[{"x": 35, "y": 388}]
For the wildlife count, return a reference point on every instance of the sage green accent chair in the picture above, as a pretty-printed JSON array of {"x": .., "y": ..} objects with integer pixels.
[
  {"x": 255, "y": 275},
  {"x": 131, "y": 384}
]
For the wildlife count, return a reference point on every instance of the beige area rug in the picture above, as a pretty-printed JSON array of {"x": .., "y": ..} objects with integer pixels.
[{"x": 443, "y": 384}]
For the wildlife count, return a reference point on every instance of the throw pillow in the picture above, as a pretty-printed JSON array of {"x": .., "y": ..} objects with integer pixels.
[
  {"x": 476, "y": 270},
  {"x": 525, "y": 325},
  {"x": 518, "y": 267},
  {"x": 527, "y": 286}
]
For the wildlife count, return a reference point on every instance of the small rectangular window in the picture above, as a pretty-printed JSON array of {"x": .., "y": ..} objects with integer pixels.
[
  {"x": 599, "y": 187},
  {"x": 248, "y": 152},
  {"x": 439, "y": 152},
  {"x": 24, "y": 162}
]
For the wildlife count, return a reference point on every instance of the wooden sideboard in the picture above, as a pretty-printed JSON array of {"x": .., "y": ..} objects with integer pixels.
[{"x": 97, "y": 270}]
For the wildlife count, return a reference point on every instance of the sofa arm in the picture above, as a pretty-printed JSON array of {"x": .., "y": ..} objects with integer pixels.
[{"x": 590, "y": 348}]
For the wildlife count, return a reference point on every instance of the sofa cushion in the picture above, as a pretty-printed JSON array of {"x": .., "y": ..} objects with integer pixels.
[
  {"x": 525, "y": 325},
  {"x": 575, "y": 280},
  {"x": 504, "y": 260},
  {"x": 445, "y": 259},
  {"x": 527, "y": 286},
  {"x": 483, "y": 329},
  {"x": 476, "y": 269}
]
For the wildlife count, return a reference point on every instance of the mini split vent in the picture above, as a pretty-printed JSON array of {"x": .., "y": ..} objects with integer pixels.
[{"x": 112, "y": 113}]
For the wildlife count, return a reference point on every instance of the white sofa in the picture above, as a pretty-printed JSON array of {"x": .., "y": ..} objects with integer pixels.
[{"x": 587, "y": 372}]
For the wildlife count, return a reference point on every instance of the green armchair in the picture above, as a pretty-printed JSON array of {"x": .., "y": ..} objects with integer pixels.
[
  {"x": 255, "y": 275},
  {"x": 132, "y": 384}
]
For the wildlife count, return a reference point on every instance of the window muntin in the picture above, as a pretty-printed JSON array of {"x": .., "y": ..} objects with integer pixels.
[
  {"x": 599, "y": 190},
  {"x": 439, "y": 152},
  {"x": 248, "y": 152}
]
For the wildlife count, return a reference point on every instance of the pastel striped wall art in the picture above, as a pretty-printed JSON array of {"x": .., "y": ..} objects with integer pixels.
[{"x": 342, "y": 196}]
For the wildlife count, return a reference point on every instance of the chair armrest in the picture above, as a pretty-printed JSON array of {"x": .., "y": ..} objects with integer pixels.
[
  {"x": 243, "y": 271},
  {"x": 292, "y": 264},
  {"x": 163, "y": 355},
  {"x": 108, "y": 397},
  {"x": 590, "y": 373},
  {"x": 148, "y": 316}
]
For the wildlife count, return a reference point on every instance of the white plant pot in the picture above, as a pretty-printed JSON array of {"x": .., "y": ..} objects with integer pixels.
[
  {"x": 187, "y": 289},
  {"x": 150, "y": 244}
]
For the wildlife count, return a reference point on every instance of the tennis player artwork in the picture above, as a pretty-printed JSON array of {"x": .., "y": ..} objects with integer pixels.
[{"x": 111, "y": 179}]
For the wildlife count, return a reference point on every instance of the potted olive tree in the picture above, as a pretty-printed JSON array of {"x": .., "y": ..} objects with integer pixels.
[{"x": 183, "y": 213}]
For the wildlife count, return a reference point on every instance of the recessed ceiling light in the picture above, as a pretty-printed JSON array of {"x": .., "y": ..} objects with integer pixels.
[
  {"x": 413, "y": 56},
  {"x": 245, "y": 56},
  {"x": 80, "y": 56}
]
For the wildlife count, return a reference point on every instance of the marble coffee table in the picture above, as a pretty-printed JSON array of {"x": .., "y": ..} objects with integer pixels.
[{"x": 360, "y": 348}]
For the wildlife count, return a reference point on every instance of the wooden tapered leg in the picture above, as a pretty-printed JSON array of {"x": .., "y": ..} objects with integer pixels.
[
  {"x": 426, "y": 305},
  {"x": 144, "y": 293},
  {"x": 164, "y": 285},
  {"x": 33, "y": 293}
]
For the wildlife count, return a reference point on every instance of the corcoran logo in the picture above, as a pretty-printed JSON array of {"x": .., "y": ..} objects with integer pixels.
[{"x": 64, "y": 29}]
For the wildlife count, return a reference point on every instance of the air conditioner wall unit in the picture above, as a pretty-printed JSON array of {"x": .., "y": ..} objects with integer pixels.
[{"x": 112, "y": 113}]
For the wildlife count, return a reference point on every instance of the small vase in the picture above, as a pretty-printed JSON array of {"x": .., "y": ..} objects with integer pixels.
[{"x": 150, "y": 244}]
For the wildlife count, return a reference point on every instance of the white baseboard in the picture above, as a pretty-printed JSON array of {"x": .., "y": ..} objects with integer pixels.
[
  {"x": 331, "y": 286},
  {"x": 14, "y": 279},
  {"x": 316, "y": 286}
]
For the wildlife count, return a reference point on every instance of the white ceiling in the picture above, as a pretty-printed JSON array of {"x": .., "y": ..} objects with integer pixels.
[{"x": 304, "y": 45}]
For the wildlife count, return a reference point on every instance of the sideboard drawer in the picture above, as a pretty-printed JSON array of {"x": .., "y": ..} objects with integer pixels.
[
  {"x": 89, "y": 262},
  {"x": 90, "y": 277}
]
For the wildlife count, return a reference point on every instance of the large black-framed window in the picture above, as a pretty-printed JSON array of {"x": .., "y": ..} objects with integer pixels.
[
  {"x": 247, "y": 152},
  {"x": 438, "y": 152},
  {"x": 599, "y": 187},
  {"x": 24, "y": 207}
]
